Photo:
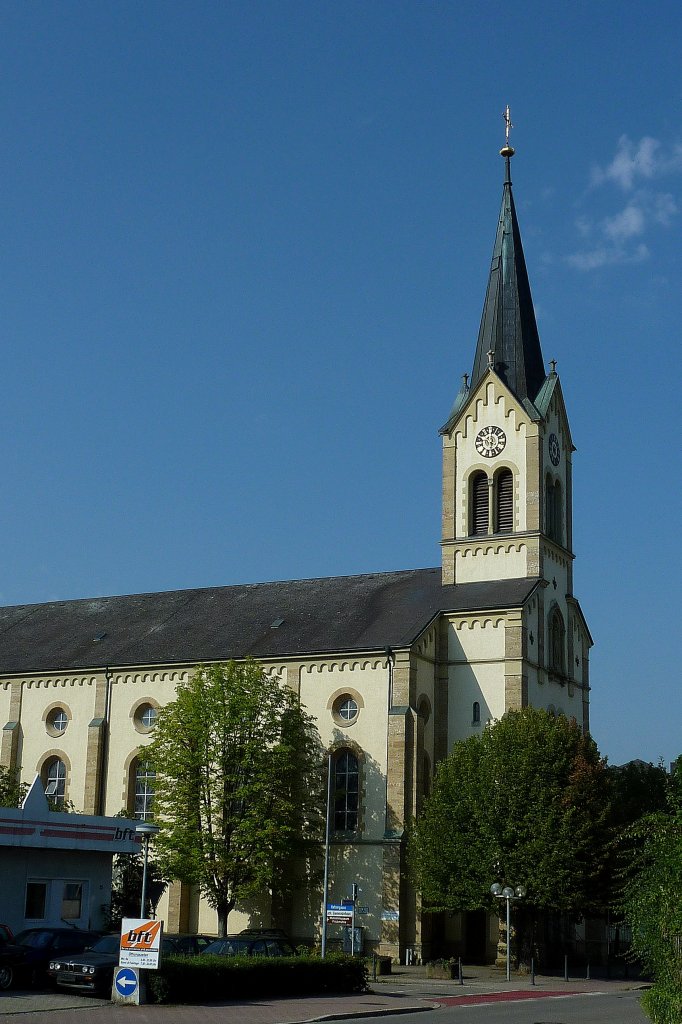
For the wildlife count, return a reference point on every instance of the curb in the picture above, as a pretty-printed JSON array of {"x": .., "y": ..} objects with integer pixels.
[{"x": 387, "y": 1011}]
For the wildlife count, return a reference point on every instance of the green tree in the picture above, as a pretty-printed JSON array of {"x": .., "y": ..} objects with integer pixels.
[
  {"x": 523, "y": 803},
  {"x": 653, "y": 905},
  {"x": 126, "y": 889},
  {"x": 12, "y": 792},
  {"x": 238, "y": 786}
]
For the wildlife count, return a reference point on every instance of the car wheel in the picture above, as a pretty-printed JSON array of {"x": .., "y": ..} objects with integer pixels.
[{"x": 6, "y": 977}]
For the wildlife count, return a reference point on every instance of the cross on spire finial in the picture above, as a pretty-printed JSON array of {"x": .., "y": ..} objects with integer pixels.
[
  {"x": 507, "y": 151},
  {"x": 507, "y": 124}
]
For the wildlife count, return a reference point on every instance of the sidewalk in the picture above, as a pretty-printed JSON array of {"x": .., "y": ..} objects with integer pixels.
[{"x": 405, "y": 991}]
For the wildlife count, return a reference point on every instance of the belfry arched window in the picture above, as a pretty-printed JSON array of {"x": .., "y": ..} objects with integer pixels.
[
  {"x": 504, "y": 501},
  {"x": 479, "y": 503},
  {"x": 553, "y": 510},
  {"x": 557, "y": 642},
  {"x": 346, "y": 791}
]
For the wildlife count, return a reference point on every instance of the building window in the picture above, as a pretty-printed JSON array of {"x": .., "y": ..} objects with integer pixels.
[
  {"x": 72, "y": 900},
  {"x": 476, "y": 714},
  {"x": 557, "y": 642},
  {"x": 57, "y": 721},
  {"x": 144, "y": 777},
  {"x": 36, "y": 898},
  {"x": 346, "y": 791},
  {"x": 144, "y": 716},
  {"x": 347, "y": 710},
  {"x": 504, "y": 501},
  {"x": 345, "y": 707},
  {"x": 479, "y": 504},
  {"x": 54, "y": 779},
  {"x": 553, "y": 510}
]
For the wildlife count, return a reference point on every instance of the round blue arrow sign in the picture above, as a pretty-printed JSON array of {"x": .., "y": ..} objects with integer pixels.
[{"x": 125, "y": 981}]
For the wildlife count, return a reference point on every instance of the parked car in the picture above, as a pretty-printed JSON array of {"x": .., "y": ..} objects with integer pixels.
[
  {"x": 12, "y": 960},
  {"x": 245, "y": 944},
  {"x": 93, "y": 970},
  {"x": 43, "y": 944}
]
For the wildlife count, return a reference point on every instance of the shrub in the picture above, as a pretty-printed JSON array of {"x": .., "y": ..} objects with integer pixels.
[{"x": 219, "y": 978}]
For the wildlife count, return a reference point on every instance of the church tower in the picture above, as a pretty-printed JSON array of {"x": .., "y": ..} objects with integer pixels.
[{"x": 507, "y": 445}]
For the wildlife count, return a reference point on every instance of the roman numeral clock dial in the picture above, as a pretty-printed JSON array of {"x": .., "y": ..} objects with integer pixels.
[{"x": 490, "y": 441}]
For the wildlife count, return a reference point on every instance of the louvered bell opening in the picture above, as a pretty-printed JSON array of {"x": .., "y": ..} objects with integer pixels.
[
  {"x": 505, "y": 502},
  {"x": 479, "y": 511}
]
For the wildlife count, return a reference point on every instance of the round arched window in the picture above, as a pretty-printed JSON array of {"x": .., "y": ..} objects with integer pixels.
[
  {"x": 345, "y": 709},
  {"x": 145, "y": 716},
  {"x": 57, "y": 721}
]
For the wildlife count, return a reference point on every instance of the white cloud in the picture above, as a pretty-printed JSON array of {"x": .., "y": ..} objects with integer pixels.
[
  {"x": 615, "y": 238},
  {"x": 636, "y": 160},
  {"x": 665, "y": 208},
  {"x": 608, "y": 256},
  {"x": 626, "y": 224}
]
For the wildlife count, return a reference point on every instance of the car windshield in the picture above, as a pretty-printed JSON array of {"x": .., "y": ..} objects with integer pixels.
[
  {"x": 107, "y": 944},
  {"x": 229, "y": 947}
]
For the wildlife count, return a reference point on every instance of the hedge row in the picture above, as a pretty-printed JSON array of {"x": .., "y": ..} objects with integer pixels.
[{"x": 206, "y": 979}]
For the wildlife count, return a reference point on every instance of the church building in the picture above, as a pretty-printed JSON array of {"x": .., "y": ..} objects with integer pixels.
[{"x": 396, "y": 666}]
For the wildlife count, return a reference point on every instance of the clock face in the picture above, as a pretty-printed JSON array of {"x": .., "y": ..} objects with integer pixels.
[
  {"x": 554, "y": 449},
  {"x": 490, "y": 442}
]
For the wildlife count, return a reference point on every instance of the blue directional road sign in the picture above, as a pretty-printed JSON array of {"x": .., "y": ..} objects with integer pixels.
[{"x": 125, "y": 981}]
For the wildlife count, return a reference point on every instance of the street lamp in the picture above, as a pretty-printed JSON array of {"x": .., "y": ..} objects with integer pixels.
[
  {"x": 146, "y": 830},
  {"x": 508, "y": 894}
]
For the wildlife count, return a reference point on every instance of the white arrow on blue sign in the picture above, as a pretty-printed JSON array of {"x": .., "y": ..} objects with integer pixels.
[{"x": 125, "y": 981}]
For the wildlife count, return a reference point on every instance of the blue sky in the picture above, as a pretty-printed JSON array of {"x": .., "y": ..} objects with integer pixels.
[{"x": 244, "y": 255}]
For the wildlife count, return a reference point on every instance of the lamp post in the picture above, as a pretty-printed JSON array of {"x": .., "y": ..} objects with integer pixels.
[
  {"x": 327, "y": 832},
  {"x": 508, "y": 894},
  {"x": 146, "y": 830}
]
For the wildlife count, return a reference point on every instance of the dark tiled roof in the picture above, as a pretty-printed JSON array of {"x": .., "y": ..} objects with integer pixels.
[{"x": 341, "y": 613}]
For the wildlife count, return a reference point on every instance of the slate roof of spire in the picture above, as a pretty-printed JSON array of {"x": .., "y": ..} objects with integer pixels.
[
  {"x": 508, "y": 326},
  {"x": 264, "y": 620}
]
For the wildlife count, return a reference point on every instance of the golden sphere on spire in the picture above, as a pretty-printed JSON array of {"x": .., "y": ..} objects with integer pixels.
[{"x": 507, "y": 151}]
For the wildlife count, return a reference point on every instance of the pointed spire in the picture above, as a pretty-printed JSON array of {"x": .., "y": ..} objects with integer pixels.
[{"x": 508, "y": 326}]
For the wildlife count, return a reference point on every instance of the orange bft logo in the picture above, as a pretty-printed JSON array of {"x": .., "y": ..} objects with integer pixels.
[{"x": 141, "y": 937}]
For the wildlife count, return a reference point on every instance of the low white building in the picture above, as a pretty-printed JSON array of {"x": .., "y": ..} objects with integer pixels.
[{"x": 56, "y": 867}]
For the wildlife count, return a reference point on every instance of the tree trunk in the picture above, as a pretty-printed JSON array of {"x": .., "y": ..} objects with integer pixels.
[{"x": 223, "y": 912}]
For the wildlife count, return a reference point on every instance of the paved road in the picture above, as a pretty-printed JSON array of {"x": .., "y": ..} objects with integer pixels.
[
  {"x": 484, "y": 998},
  {"x": 592, "y": 1008}
]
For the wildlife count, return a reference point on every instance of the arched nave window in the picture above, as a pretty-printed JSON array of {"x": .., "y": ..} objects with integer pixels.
[
  {"x": 54, "y": 779},
  {"x": 504, "y": 501},
  {"x": 557, "y": 642},
  {"x": 479, "y": 503},
  {"x": 143, "y": 778},
  {"x": 346, "y": 791},
  {"x": 476, "y": 713}
]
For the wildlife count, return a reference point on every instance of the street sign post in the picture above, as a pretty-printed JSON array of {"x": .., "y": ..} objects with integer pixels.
[
  {"x": 126, "y": 981},
  {"x": 140, "y": 943},
  {"x": 337, "y": 913}
]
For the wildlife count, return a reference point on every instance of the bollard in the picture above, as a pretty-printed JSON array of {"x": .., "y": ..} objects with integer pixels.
[
  {"x": 461, "y": 976},
  {"x": 374, "y": 966},
  {"x": 532, "y": 971},
  {"x": 587, "y": 976},
  {"x": 566, "y": 968}
]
